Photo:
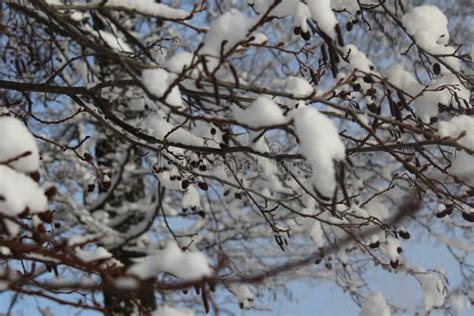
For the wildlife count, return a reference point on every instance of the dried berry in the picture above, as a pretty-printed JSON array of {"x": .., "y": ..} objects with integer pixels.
[
  {"x": 213, "y": 131},
  {"x": 203, "y": 186},
  {"x": 202, "y": 214}
]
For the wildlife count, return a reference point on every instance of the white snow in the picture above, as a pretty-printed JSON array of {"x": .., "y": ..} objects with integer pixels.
[
  {"x": 325, "y": 18},
  {"x": 390, "y": 248},
  {"x": 261, "y": 113},
  {"x": 455, "y": 243},
  {"x": 187, "y": 265},
  {"x": 315, "y": 230},
  {"x": 350, "y": 5},
  {"x": 376, "y": 209},
  {"x": 320, "y": 143},
  {"x": 244, "y": 294},
  {"x": 374, "y": 305},
  {"x": 463, "y": 167},
  {"x": 426, "y": 106},
  {"x": 357, "y": 59},
  {"x": 100, "y": 253},
  {"x": 429, "y": 26},
  {"x": 172, "y": 311},
  {"x": 459, "y": 303},
  {"x": 179, "y": 61},
  {"x": 231, "y": 27},
  {"x": 149, "y": 8},
  {"x": 301, "y": 14},
  {"x": 299, "y": 87},
  {"x": 434, "y": 287},
  {"x": 402, "y": 79},
  {"x": 259, "y": 38},
  {"x": 162, "y": 129},
  {"x": 158, "y": 82},
  {"x": 463, "y": 163},
  {"x": 191, "y": 198},
  {"x": 456, "y": 126},
  {"x": 284, "y": 8},
  {"x": 18, "y": 191},
  {"x": 16, "y": 140}
]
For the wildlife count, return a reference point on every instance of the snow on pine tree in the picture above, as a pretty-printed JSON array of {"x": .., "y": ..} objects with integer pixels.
[{"x": 185, "y": 157}]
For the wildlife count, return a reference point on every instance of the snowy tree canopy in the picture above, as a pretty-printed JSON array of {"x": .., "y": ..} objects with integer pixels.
[{"x": 177, "y": 157}]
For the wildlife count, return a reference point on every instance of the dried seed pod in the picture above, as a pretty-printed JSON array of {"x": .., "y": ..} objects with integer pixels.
[
  {"x": 368, "y": 79},
  {"x": 328, "y": 265},
  {"x": 349, "y": 26},
  {"x": 25, "y": 213},
  {"x": 449, "y": 208},
  {"x": 356, "y": 87},
  {"x": 436, "y": 69},
  {"x": 106, "y": 183},
  {"x": 468, "y": 216},
  {"x": 404, "y": 234},
  {"x": 324, "y": 53},
  {"x": 88, "y": 157},
  {"x": 35, "y": 175},
  {"x": 394, "y": 264},
  {"x": 374, "y": 245},
  {"x": 51, "y": 192},
  {"x": 372, "y": 107},
  {"x": 185, "y": 184},
  {"x": 306, "y": 36},
  {"x": 90, "y": 187},
  {"x": 47, "y": 216},
  {"x": 340, "y": 38}
]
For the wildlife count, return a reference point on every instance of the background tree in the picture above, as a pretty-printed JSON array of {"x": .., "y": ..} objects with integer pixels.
[{"x": 158, "y": 155}]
